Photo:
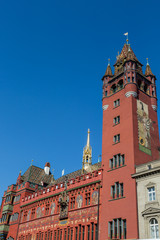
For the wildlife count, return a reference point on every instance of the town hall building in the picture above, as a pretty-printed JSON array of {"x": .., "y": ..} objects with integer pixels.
[{"x": 117, "y": 198}]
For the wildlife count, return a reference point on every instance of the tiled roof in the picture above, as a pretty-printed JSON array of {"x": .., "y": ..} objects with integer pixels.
[
  {"x": 126, "y": 54},
  {"x": 36, "y": 175}
]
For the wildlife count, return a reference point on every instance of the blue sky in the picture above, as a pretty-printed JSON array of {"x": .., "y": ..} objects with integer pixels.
[{"x": 53, "y": 55}]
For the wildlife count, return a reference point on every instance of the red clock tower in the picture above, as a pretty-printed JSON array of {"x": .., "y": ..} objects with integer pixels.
[{"x": 130, "y": 137}]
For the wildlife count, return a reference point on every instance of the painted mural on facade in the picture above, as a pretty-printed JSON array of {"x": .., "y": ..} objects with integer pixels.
[
  {"x": 144, "y": 125},
  {"x": 51, "y": 222}
]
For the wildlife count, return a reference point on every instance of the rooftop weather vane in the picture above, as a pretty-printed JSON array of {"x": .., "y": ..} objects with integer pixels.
[{"x": 126, "y": 34}]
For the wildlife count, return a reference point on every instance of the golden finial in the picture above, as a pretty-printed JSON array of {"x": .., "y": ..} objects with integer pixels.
[
  {"x": 20, "y": 171},
  {"x": 147, "y": 61},
  {"x": 109, "y": 61},
  {"x": 32, "y": 162}
]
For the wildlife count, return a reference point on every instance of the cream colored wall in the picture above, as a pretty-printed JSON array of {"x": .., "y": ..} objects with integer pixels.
[{"x": 142, "y": 198}]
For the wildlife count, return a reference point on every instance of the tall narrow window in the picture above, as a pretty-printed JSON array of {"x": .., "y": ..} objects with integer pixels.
[
  {"x": 71, "y": 234},
  {"x": 96, "y": 232},
  {"x": 125, "y": 229},
  {"x": 117, "y": 187},
  {"x": 55, "y": 234},
  {"x": 88, "y": 235},
  {"x": 68, "y": 233},
  {"x": 61, "y": 234},
  {"x": 120, "y": 227},
  {"x": 111, "y": 163},
  {"x": 92, "y": 234},
  {"x": 121, "y": 188},
  {"x": 76, "y": 237},
  {"x": 83, "y": 232},
  {"x": 87, "y": 198},
  {"x": 79, "y": 232},
  {"x": 151, "y": 194},
  {"x": 65, "y": 234},
  {"x": 154, "y": 229},
  {"x": 58, "y": 234}
]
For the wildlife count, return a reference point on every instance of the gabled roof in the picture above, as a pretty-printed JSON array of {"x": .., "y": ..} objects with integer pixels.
[{"x": 36, "y": 175}]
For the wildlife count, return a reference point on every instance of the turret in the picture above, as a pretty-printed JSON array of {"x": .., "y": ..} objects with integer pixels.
[
  {"x": 87, "y": 155},
  {"x": 151, "y": 77}
]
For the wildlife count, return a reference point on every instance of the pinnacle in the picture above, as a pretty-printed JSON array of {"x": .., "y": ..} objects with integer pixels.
[
  {"x": 148, "y": 70},
  {"x": 108, "y": 71}
]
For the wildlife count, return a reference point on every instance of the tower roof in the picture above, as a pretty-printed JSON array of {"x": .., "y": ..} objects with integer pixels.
[
  {"x": 108, "y": 70},
  {"x": 148, "y": 70},
  {"x": 126, "y": 54}
]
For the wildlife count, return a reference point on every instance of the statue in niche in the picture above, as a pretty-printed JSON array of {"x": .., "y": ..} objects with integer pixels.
[
  {"x": 79, "y": 201},
  {"x": 63, "y": 202},
  {"x": 39, "y": 212},
  {"x": 53, "y": 205}
]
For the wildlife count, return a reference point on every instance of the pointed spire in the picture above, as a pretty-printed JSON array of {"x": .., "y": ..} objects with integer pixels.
[
  {"x": 108, "y": 70},
  {"x": 87, "y": 155},
  {"x": 148, "y": 69},
  {"x": 88, "y": 138}
]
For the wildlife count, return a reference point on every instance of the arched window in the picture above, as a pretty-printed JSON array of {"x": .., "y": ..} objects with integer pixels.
[
  {"x": 120, "y": 84},
  {"x": 113, "y": 88},
  {"x": 154, "y": 230},
  {"x": 87, "y": 159}
]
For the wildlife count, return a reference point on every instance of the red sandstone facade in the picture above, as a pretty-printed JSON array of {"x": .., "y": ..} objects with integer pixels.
[
  {"x": 125, "y": 143},
  {"x": 99, "y": 201}
]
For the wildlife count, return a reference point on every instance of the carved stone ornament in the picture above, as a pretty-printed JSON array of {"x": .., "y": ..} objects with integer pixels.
[
  {"x": 63, "y": 202},
  {"x": 105, "y": 107},
  {"x": 131, "y": 93},
  {"x": 154, "y": 107},
  {"x": 151, "y": 211}
]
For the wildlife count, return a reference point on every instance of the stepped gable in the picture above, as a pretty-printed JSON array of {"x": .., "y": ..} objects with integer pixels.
[
  {"x": 77, "y": 173},
  {"x": 36, "y": 175}
]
